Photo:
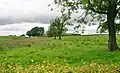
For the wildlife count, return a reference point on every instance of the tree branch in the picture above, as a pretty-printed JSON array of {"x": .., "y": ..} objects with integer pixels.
[
  {"x": 118, "y": 3},
  {"x": 92, "y": 9},
  {"x": 100, "y": 12}
]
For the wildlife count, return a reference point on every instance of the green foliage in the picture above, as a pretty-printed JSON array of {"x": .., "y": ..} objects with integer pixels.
[
  {"x": 57, "y": 27},
  {"x": 97, "y": 9},
  {"x": 49, "y": 33},
  {"x": 22, "y": 35},
  {"x": 36, "y": 31},
  {"x": 104, "y": 11},
  {"x": 28, "y": 33},
  {"x": 103, "y": 27}
]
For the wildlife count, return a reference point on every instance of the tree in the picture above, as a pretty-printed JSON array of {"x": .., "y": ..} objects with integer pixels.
[
  {"x": 36, "y": 31},
  {"x": 29, "y": 33},
  {"x": 52, "y": 31},
  {"x": 57, "y": 27},
  {"x": 41, "y": 31},
  {"x": 22, "y": 35},
  {"x": 102, "y": 10},
  {"x": 103, "y": 27}
]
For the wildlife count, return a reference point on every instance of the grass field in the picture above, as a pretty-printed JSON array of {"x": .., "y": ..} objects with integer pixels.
[{"x": 72, "y": 54}]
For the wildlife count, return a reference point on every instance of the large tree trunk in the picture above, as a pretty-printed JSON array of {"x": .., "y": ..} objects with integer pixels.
[
  {"x": 112, "y": 44},
  {"x": 60, "y": 37}
]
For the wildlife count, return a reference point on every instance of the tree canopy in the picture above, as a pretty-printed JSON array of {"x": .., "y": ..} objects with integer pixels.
[
  {"x": 36, "y": 31},
  {"x": 105, "y": 11},
  {"x": 57, "y": 26}
]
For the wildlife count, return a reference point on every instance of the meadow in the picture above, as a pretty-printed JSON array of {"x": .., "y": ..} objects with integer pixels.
[{"x": 72, "y": 54}]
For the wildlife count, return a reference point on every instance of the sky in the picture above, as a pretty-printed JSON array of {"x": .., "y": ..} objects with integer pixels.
[{"x": 19, "y": 16}]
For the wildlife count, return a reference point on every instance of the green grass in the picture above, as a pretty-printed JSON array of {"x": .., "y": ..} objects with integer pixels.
[{"x": 73, "y": 50}]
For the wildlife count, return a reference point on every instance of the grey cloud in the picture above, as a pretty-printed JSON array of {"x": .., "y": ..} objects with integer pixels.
[
  {"x": 33, "y": 11},
  {"x": 38, "y": 19},
  {"x": 13, "y": 29}
]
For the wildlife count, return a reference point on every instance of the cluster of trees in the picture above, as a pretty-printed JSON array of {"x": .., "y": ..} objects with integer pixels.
[
  {"x": 56, "y": 29},
  {"x": 104, "y": 11},
  {"x": 107, "y": 12},
  {"x": 36, "y": 31}
]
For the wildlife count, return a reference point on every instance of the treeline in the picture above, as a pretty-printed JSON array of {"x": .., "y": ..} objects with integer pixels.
[{"x": 56, "y": 29}]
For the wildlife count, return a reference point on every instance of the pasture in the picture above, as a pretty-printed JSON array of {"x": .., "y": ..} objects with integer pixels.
[{"x": 72, "y": 54}]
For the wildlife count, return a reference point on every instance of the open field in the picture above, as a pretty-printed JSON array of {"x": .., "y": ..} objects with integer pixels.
[{"x": 72, "y": 54}]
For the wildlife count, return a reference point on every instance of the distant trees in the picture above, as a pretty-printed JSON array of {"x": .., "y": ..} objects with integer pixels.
[
  {"x": 36, "y": 31},
  {"x": 57, "y": 27},
  {"x": 22, "y": 35}
]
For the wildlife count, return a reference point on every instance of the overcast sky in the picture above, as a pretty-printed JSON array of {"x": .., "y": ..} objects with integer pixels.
[{"x": 18, "y": 16}]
